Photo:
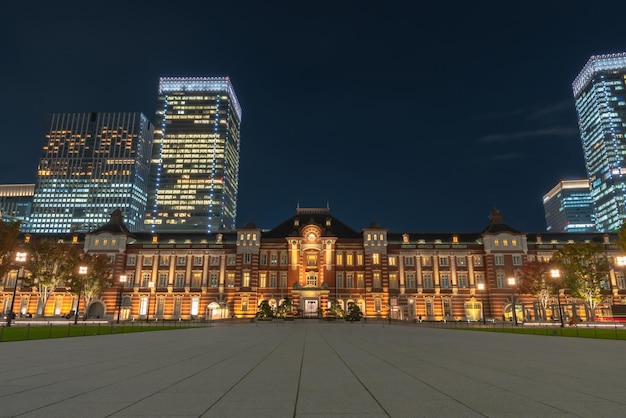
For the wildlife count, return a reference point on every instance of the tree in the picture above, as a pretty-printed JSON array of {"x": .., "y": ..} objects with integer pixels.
[
  {"x": 50, "y": 265},
  {"x": 354, "y": 312},
  {"x": 286, "y": 307},
  {"x": 265, "y": 310},
  {"x": 8, "y": 238},
  {"x": 337, "y": 310},
  {"x": 535, "y": 280},
  {"x": 96, "y": 277},
  {"x": 585, "y": 269}
]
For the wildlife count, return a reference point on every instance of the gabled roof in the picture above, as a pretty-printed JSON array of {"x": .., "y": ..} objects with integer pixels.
[
  {"x": 115, "y": 225},
  {"x": 497, "y": 224},
  {"x": 319, "y": 217}
]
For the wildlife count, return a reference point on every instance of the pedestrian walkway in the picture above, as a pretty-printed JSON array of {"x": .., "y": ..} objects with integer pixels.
[{"x": 307, "y": 368}]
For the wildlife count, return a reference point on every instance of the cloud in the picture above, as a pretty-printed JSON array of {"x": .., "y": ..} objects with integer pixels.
[
  {"x": 558, "y": 132},
  {"x": 547, "y": 113}
]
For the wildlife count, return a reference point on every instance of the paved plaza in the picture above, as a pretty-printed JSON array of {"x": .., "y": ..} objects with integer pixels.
[{"x": 309, "y": 368}]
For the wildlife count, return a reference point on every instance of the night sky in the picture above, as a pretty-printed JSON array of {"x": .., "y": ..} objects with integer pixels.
[{"x": 418, "y": 117}]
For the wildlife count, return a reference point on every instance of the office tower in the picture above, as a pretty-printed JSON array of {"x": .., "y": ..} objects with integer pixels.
[
  {"x": 15, "y": 202},
  {"x": 568, "y": 207},
  {"x": 195, "y": 161},
  {"x": 90, "y": 165},
  {"x": 601, "y": 106}
]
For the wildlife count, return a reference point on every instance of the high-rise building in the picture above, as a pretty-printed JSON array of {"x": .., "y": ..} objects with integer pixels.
[
  {"x": 195, "y": 161},
  {"x": 600, "y": 96},
  {"x": 92, "y": 164},
  {"x": 15, "y": 202},
  {"x": 568, "y": 207}
]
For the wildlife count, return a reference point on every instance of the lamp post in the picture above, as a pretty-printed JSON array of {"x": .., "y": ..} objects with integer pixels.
[
  {"x": 82, "y": 272},
  {"x": 20, "y": 258},
  {"x": 481, "y": 287},
  {"x": 119, "y": 297},
  {"x": 151, "y": 286},
  {"x": 556, "y": 274},
  {"x": 513, "y": 282}
]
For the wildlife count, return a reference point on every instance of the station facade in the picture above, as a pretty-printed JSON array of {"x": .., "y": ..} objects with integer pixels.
[{"x": 315, "y": 261}]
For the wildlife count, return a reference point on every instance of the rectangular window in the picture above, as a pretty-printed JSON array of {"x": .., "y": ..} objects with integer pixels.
[
  {"x": 409, "y": 261},
  {"x": 410, "y": 280},
  {"x": 393, "y": 261},
  {"x": 359, "y": 259},
  {"x": 339, "y": 279},
  {"x": 427, "y": 261},
  {"x": 262, "y": 280},
  {"x": 180, "y": 280},
  {"x": 244, "y": 304},
  {"x": 196, "y": 279},
  {"x": 215, "y": 260},
  {"x": 428, "y": 281},
  {"x": 283, "y": 279},
  {"x": 443, "y": 261},
  {"x": 430, "y": 311},
  {"x": 339, "y": 258},
  {"x": 246, "y": 279},
  {"x": 447, "y": 307},
  {"x": 145, "y": 279},
  {"x": 213, "y": 279},
  {"x": 195, "y": 304},
  {"x": 517, "y": 260},
  {"x": 230, "y": 280},
  {"x": 273, "y": 279},
  {"x": 232, "y": 260},
  {"x": 478, "y": 261},
  {"x": 311, "y": 260},
  {"x": 500, "y": 279},
  {"x": 178, "y": 302},
  {"x": 164, "y": 261},
  {"x": 143, "y": 305},
  {"x": 147, "y": 260},
  {"x": 375, "y": 258},
  {"x": 130, "y": 279},
  {"x": 273, "y": 259},
  {"x": 462, "y": 277},
  {"x": 283, "y": 259},
  {"x": 461, "y": 261},
  {"x": 162, "y": 280},
  {"x": 377, "y": 305},
  {"x": 621, "y": 281},
  {"x": 246, "y": 258},
  {"x": 393, "y": 280},
  {"x": 263, "y": 260},
  {"x": 498, "y": 260},
  {"x": 360, "y": 280},
  {"x": 197, "y": 261},
  {"x": 131, "y": 260},
  {"x": 349, "y": 280},
  {"x": 376, "y": 281},
  {"x": 181, "y": 261},
  {"x": 349, "y": 259},
  {"x": 480, "y": 278},
  {"x": 445, "y": 280}
]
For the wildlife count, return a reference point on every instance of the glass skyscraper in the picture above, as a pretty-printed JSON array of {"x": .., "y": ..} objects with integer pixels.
[
  {"x": 195, "y": 161},
  {"x": 568, "y": 207},
  {"x": 599, "y": 91},
  {"x": 90, "y": 165}
]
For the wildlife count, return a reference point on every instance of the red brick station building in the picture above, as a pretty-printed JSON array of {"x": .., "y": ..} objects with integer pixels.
[{"x": 315, "y": 260}]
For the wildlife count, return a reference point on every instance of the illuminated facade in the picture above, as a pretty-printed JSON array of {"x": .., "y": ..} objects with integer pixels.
[
  {"x": 568, "y": 207},
  {"x": 15, "y": 202},
  {"x": 90, "y": 165},
  {"x": 195, "y": 162},
  {"x": 316, "y": 261},
  {"x": 601, "y": 106}
]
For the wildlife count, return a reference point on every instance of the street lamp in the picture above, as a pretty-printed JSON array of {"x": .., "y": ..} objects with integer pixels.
[
  {"x": 82, "y": 272},
  {"x": 556, "y": 274},
  {"x": 119, "y": 297},
  {"x": 20, "y": 258},
  {"x": 151, "y": 286},
  {"x": 481, "y": 287},
  {"x": 513, "y": 282}
]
